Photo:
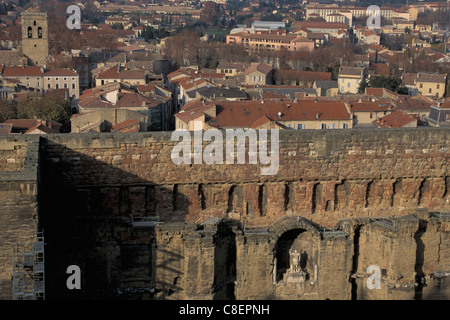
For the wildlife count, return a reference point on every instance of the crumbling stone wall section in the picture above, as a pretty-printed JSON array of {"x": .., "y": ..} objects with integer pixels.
[
  {"x": 432, "y": 256},
  {"x": 387, "y": 256},
  {"x": 12, "y": 153},
  {"x": 19, "y": 158}
]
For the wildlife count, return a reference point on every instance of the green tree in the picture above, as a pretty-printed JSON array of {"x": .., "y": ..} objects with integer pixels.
[
  {"x": 48, "y": 108},
  {"x": 394, "y": 84}
]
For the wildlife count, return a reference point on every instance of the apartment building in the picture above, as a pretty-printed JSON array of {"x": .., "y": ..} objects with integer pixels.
[
  {"x": 62, "y": 78},
  {"x": 302, "y": 115},
  {"x": 42, "y": 79},
  {"x": 273, "y": 40}
]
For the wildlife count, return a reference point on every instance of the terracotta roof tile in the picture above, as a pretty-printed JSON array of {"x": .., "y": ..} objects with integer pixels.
[
  {"x": 370, "y": 106},
  {"x": 245, "y": 113},
  {"x": 131, "y": 125},
  {"x": 261, "y": 67},
  {"x": 60, "y": 72},
  {"x": 28, "y": 71},
  {"x": 193, "y": 110},
  {"x": 396, "y": 119}
]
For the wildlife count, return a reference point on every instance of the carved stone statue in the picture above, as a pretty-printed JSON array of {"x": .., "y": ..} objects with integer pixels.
[{"x": 295, "y": 261}]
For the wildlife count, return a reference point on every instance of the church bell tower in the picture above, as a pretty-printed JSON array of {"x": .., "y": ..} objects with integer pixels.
[{"x": 35, "y": 36}]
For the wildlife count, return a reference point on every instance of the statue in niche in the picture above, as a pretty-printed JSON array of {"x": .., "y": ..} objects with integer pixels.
[
  {"x": 295, "y": 273},
  {"x": 295, "y": 261}
]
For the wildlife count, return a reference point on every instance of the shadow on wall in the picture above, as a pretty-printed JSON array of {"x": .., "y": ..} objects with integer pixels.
[
  {"x": 101, "y": 218},
  {"x": 225, "y": 262}
]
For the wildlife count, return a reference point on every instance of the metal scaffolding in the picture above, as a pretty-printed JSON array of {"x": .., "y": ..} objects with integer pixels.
[{"x": 28, "y": 270}]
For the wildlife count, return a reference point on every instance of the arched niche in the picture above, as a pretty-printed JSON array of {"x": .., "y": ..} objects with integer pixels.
[{"x": 296, "y": 243}]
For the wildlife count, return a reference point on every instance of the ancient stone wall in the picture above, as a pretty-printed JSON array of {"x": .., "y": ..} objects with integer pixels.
[
  {"x": 323, "y": 175},
  {"x": 140, "y": 226},
  {"x": 18, "y": 201}
]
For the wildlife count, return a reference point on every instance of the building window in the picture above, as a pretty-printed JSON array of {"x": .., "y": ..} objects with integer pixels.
[
  {"x": 437, "y": 86},
  {"x": 429, "y": 90},
  {"x": 39, "y": 32},
  {"x": 323, "y": 126},
  {"x": 289, "y": 126},
  {"x": 65, "y": 85},
  {"x": 332, "y": 126},
  {"x": 300, "y": 126},
  {"x": 30, "y": 32},
  {"x": 344, "y": 126},
  {"x": 73, "y": 85}
]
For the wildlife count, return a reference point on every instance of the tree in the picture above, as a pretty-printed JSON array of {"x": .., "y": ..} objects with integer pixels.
[
  {"x": 209, "y": 13},
  {"x": 8, "y": 110},
  {"x": 49, "y": 107},
  {"x": 394, "y": 84}
]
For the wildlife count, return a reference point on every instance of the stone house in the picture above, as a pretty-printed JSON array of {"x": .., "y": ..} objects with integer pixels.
[
  {"x": 258, "y": 74},
  {"x": 429, "y": 84},
  {"x": 116, "y": 74},
  {"x": 349, "y": 79}
]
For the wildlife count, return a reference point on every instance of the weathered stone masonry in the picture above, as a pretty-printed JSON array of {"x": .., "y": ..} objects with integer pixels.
[{"x": 346, "y": 200}]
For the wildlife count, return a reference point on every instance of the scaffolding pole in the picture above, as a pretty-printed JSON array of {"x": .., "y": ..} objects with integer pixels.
[{"x": 28, "y": 270}]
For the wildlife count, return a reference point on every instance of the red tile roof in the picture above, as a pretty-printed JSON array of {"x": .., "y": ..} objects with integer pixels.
[
  {"x": 113, "y": 73},
  {"x": 134, "y": 100},
  {"x": 146, "y": 88},
  {"x": 370, "y": 106},
  {"x": 94, "y": 102},
  {"x": 246, "y": 113},
  {"x": 60, "y": 72},
  {"x": 131, "y": 125},
  {"x": 28, "y": 71},
  {"x": 22, "y": 124},
  {"x": 396, "y": 119},
  {"x": 194, "y": 110},
  {"x": 261, "y": 67},
  {"x": 41, "y": 128}
]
